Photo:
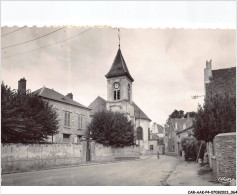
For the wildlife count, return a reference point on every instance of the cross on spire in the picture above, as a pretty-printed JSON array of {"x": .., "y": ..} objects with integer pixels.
[{"x": 119, "y": 37}]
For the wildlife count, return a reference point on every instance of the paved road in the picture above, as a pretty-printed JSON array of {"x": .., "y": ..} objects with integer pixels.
[{"x": 147, "y": 172}]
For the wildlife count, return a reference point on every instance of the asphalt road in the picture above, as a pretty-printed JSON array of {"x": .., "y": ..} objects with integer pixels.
[{"x": 147, "y": 172}]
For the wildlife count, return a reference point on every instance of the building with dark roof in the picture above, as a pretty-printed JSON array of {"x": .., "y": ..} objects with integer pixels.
[
  {"x": 73, "y": 117},
  {"x": 219, "y": 81},
  {"x": 119, "y": 98}
]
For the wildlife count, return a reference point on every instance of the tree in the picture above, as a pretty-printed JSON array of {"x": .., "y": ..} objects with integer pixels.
[
  {"x": 193, "y": 147},
  {"x": 111, "y": 129},
  {"x": 177, "y": 114},
  {"x": 26, "y": 118},
  {"x": 218, "y": 115}
]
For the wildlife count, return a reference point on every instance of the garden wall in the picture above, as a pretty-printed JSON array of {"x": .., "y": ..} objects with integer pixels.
[
  {"x": 19, "y": 157},
  {"x": 225, "y": 152},
  {"x": 100, "y": 153}
]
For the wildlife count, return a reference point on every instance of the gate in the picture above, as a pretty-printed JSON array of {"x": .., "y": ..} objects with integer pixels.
[{"x": 88, "y": 151}]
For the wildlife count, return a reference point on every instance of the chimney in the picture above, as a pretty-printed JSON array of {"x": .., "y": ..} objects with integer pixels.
[
  {"x": 22, "y": 85},
  {"x": 208, "y": 71},
  {"x": 70, "y": 95}
]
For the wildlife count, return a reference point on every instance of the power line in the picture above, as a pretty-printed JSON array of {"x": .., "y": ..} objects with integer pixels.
[
  {"x": 48, "y": 45},
  {"x": 32, "y": 39},
  {"x": 13, "y": 31}
]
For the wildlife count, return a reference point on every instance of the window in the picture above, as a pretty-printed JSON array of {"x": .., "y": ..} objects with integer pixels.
[
  {"x": 66, "y": 138},
  {"x": 139, "y": 133},
  {"x": 67, "y": 119},
  {"x": 151, "y": 147},
  {"x": 117, "y": 95},
  {"x": 129, "y": 92},
  {"x": 80, "y": 121}
]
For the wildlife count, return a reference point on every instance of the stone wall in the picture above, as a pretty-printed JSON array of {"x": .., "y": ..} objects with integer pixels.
[
  {"x": 100, "y": 153},
  {"x": 225, "y": 152},
  {"x": 19, "y": 157}
]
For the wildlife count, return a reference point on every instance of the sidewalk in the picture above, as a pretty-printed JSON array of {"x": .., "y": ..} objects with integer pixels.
[{"x": 189, "y": 173}]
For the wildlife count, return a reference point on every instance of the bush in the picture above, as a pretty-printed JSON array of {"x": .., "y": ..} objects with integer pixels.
[
  {"x": 218, "y": 115},
  {"x": 111, "y": 129}
]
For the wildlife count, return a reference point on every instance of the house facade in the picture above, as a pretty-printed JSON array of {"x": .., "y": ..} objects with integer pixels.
[
  {"x": 73, "y": 117},
  {"x": 120, "y": 99},
  {"x": 177, "y": 129}
]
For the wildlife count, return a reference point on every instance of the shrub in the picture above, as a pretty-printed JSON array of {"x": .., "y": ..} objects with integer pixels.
[{"x": 111, "y": 129}]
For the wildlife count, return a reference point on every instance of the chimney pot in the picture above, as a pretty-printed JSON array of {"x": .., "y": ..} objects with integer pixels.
[
  {"x": 70, "y": 95},
  {"x": 22, "y": 85}
]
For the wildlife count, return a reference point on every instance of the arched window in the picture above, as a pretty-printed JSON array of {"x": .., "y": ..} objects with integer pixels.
[
  {"x": 139, "y": 133},
  {"x": 129, "y": 92}
]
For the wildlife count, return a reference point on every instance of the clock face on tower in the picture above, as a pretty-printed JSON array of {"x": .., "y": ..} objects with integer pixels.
[{"x": 116, "y": 85}]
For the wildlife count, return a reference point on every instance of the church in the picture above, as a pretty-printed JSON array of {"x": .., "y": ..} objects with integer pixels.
[{"x": 120, "y": 99}]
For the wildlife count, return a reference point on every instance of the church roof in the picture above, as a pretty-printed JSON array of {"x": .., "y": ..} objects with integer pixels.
[
  {"x": 119, "y": 67},
  {"x": 139, "y": 113},
  {"x": 56, "y": 96},
  {"x": 98, "y": 104}
]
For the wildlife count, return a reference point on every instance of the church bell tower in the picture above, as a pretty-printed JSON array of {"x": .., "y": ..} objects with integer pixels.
[{"x": 119, "y": 88}]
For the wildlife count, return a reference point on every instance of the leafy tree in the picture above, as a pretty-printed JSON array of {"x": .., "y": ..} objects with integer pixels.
[
  {"x": 25, "y": 118},
  {"x": 111, "y": 129},
  {"x": 177, "y": 114},
  {"x": 218, "y": 115},
  {"x": 193, "y": 147}
]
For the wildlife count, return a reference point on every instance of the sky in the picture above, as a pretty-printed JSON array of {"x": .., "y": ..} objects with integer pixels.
[{"x": 166, "y": 64}]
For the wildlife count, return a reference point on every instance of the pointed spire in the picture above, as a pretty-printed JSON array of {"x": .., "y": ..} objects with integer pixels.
[{"x": 119, "y": 67}]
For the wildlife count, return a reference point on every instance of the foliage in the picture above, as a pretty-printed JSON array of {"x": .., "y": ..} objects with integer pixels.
[
  {"x": 177, "y": 114},
  {"x": 111, "y": 129},
  {"x": 191, "y": 146},
  {"x": 25, "y": 117},
  {"x": 218, "y": 115}
]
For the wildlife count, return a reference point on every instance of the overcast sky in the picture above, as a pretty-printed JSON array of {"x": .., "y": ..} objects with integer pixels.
[{"x": 167, "y": 64}]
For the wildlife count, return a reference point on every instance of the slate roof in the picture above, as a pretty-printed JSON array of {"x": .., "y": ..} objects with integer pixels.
[
  {"x": 154, "y": 136},
  {"x": 56, "y": 96},
  {"x": 222, "y": 81},
  {"x": 100, "y": 104},
  {"x": 160, "y": 129},
  {"x": 119, "y": 67},
  {"x": 139, "y": 113}
]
